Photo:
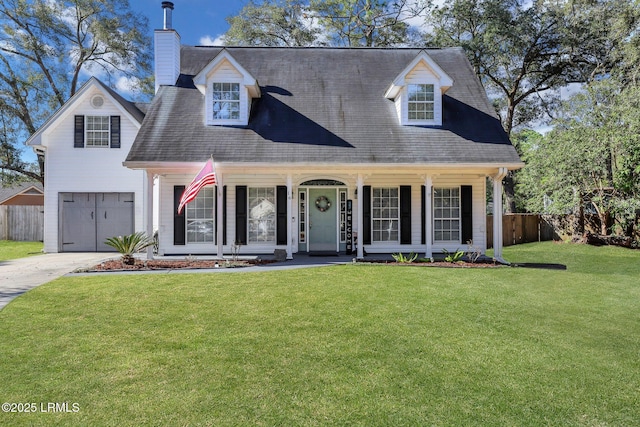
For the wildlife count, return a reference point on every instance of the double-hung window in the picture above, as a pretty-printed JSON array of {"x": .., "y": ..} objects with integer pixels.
[
  {"x": 201, "y": 217},
  {"x": 420, "y": 102},
  {"x": 446, "y": 214},
  {"x": 385, "y": 214},
  {"x": 97, "y": 131},
  {"x": 262, "y": 215},
  {"x": 226, "y": 101}
]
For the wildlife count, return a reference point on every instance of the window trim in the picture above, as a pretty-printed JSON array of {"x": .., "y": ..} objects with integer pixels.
[
  {"x": 87, "y": 131},
  {"x": 191, "y": 206},
  {"x": 241, "y": 102},
  {"x": 434, "y": 218},
  {"x": 425, "y": 102},
  {"x": 374, "y": 240},
  {"x": 273, "y": 217}
]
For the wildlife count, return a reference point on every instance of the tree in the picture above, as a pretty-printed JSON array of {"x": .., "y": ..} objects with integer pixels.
[
  {"x": 592, "y": 157},
  {"x": 45, "y": 49},
  {"x": 286, "y": 23},
  {"x": 330, "y": 22},
  {"x": 368, "y": 22}
]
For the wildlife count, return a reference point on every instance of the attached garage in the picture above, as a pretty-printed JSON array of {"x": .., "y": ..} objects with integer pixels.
[{"x": 86, "y": 220}]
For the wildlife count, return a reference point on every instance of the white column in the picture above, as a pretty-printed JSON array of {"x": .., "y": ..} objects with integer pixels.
[
  {"x": 219, "y": 214},
  {"x": 360, "y": 228},
  {"x": 290, "y": 215},
  {"x": 148, "y": 210},
  {"x": 497, "y": 214},
  {"x": 428, "y": 216}
]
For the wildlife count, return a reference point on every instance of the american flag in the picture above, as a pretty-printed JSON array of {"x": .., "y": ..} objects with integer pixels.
[{"x": 206, "y": 176}]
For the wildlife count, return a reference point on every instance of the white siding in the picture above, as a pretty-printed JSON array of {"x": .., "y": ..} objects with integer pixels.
[
  {"x": 69, "y": 169},
  {"x": 167, "y": 57},
  {"x": 272, "y": 180}
]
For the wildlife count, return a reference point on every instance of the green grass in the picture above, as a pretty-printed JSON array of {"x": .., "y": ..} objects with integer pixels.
[
  {"x": 346, "y": 345},
  {"x": 12, "y": 250}
]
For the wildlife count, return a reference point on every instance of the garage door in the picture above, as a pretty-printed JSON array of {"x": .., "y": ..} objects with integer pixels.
[{"x": 86, "y": 220}]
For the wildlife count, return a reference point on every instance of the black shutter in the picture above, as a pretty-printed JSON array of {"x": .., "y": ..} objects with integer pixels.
[
  {"x": 224, "y": 215},
  {"x": 423, "y": 215},
  {"x": 78, "y": 132},
  {"x": 366, "y": 214},
  {"x": 466, "y": 203},
  {"x": 115, "y": 132},
  {"x": 405, "y": 214},
  {"x": 241, "y": 214},
  {"x": 179, "y": 224},
  {"x": 281, "y": 215}
]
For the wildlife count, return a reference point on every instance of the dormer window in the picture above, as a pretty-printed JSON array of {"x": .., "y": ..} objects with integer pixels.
[
  {"x": 418, "y": 90},
  {"x": 226, "y": 101},
  {"x": 421, "y": 102},
  {"x": 228, "y": 89}
]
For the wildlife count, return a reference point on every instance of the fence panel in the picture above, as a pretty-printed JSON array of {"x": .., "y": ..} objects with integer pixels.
[
  {"x": 516, "y": 229},
  {"x": 22, "y": 223}
]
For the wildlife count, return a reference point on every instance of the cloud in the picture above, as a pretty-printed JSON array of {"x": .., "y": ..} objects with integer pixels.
[{"x": 210, "y": 41}]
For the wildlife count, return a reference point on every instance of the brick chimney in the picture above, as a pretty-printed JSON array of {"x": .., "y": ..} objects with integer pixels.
[{"x": 166, "y": 50}]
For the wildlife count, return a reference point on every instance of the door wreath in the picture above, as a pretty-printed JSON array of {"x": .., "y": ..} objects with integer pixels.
[{"x": 323, "y": 204}]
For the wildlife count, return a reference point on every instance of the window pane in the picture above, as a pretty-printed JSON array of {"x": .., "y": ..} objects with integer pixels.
[
  {"x": 226, "y": 101},
  {"x": 201, "y": 217},
  {"x": 446, "y": 214},
  {"x": 385, "y": 214},
  {"x": 420, "y": 99},
  {"x": 262, "y": 215}
]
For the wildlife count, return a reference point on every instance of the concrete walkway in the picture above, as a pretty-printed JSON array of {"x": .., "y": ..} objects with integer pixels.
[{"x": 20, "y": 275}]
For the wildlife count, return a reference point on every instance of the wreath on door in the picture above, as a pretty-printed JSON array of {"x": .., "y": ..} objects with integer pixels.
[{"x": 323, "y": 204}]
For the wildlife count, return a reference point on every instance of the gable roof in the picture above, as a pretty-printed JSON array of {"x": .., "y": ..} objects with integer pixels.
[
  {"x": 322, "y": 106},
  {"x": 25, "y": 188},
  {"x": 134, "y": 110}
]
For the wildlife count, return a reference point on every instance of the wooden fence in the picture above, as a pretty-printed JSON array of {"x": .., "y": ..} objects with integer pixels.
[
  {"x": 22, "y": 223},
  {"x": 521, "y": 228}
]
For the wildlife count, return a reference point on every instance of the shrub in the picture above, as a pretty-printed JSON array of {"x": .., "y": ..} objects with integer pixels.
[
  {"x": 405, "y": 259},
  {"x": 129, "y": 245}
]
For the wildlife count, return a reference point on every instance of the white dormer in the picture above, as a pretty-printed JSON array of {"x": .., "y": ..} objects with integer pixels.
[
  {"x": 228, "y": 89},
  {"x": 417, "y": 92}
]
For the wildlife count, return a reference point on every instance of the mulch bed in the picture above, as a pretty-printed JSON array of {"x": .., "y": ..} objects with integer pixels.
[
  {"x": 165, "y": 264},
  {"x": 162, "y": 264}
]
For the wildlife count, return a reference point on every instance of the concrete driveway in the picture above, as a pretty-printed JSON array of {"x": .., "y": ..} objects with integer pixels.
[{"x": 20, "y": 275}]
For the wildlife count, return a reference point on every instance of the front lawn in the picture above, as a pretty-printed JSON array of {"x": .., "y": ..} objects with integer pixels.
[
  {"x": 10, "y": 249},
  {"x": 345, "y": 345}
]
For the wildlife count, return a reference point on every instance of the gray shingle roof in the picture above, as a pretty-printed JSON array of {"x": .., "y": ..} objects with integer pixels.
[{"x": 323, "y": 105}]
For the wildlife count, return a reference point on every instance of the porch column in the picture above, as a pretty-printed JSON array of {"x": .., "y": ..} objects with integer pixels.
[
  {"x": 360, "y": 228},
  {"x": 428, "y": 217},
  {"x": 289, "y": 215},
  {"x": 148, "y": 210},
  {"x": 497, "y": 214},
  {"x": 219, "y": 213}
]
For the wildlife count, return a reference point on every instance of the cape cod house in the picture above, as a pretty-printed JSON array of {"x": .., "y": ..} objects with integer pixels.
[{"x": 315, "y": 150}]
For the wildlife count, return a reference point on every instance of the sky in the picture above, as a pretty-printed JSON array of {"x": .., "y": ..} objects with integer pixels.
[{"x": 199, "y": 22}]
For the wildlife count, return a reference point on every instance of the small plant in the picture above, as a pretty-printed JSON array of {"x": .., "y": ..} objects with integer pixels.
[
  {"x": 405, "y": 259},
  {"x": 453, "y": 257},
  {"x": 129, "y": 245},
  {"x": 235, "y": 250},
  {"x": 473, "y": 252}
]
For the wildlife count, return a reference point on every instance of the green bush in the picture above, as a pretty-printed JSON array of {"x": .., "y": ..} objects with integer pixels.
[{"x": 129, "y": 245}]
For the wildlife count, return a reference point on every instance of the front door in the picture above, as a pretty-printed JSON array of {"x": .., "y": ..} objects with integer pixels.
[{"x": 323, "y": 220}]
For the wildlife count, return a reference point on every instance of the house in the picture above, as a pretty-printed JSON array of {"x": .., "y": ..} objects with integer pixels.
[
  {"x": 23, "y": 194},
  {"x": 362, "y": 150},
  {"x": 88, "y": 195}
]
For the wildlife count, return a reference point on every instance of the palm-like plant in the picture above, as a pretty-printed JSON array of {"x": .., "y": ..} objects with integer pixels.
[{"x": 129, "y": 245}]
